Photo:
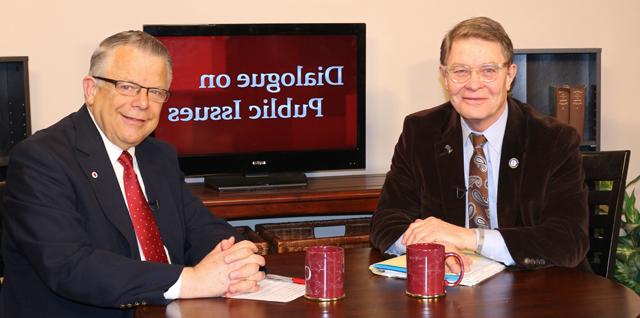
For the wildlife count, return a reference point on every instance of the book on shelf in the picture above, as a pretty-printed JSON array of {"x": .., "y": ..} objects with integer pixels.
[
  {"x": 481, "y": 269},
  {"x": 569, "y": 103},
  {"x": 576, "y": 108},
  {"x": 561, "y": 101}
]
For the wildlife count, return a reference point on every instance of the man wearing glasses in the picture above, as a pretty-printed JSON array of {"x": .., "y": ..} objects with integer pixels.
[
  {"x": 485, "y": 172},
  {"x": 98, "y": 217}
]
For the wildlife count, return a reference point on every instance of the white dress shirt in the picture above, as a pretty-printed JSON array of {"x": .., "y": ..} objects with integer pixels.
[{"x": 114, "y": 153}]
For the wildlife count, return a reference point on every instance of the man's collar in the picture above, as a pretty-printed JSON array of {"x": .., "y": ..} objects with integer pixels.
[
  {"x": 113, "y": 151},
  {"x": 495, "y": 132}
]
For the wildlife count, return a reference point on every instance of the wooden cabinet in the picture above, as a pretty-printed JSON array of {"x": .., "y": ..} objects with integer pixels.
[{"x": 338, "y": 195}]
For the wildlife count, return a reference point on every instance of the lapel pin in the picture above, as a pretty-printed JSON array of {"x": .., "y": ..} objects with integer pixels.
[
  {"x": 448, "y": 148},
  {"x": 94, "y": 174},
  {"x": 513, "y": 163}
]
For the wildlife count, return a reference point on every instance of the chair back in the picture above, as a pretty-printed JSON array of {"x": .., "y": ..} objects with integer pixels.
[
  {"x": 2, "y": 186},
  {"x": 606, "y": 176}
]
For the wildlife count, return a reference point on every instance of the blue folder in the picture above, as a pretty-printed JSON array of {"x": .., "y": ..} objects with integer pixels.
[{"x": 385, "y": 267}]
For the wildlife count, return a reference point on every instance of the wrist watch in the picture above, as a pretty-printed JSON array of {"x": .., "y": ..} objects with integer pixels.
[{"x": 479, "y": 240}]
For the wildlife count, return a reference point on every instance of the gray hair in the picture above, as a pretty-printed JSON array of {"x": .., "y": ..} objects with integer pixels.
[
  {"x": 138, "y": 39},
  {"x": 482, "y": 28}
]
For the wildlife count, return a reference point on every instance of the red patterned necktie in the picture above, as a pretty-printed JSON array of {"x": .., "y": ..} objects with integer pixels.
[
  {"x": 478, "y": 190},
  {"x": 144, "y": 223}
]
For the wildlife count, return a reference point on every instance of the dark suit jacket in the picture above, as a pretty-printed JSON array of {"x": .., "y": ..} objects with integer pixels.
[
  {"x": 542, "y": 203},
  {"x": 70, "y": 248}
]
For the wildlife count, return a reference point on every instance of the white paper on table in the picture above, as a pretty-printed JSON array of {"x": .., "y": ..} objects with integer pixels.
[{"x": 273, "y": 290}]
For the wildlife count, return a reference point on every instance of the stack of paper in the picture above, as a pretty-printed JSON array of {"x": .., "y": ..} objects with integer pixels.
[
  {"x": 481, "y": 269},
  {"x": 273, "y": 290}
]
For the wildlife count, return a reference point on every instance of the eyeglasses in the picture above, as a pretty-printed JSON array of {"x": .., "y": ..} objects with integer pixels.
[
  {"x": 461, "y": 74},
  {"x": 157, "y": 95}
]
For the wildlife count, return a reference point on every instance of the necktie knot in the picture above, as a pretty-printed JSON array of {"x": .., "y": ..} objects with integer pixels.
[
  {"x": 125, "y": 159},
  {"x": 477, "y": 140}
]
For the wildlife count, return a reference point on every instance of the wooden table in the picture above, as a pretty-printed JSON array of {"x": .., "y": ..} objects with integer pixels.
[{"x": 551, "y": 292}]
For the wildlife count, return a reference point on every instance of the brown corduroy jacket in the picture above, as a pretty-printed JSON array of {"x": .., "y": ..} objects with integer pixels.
[{"x": 542, "y": 203}]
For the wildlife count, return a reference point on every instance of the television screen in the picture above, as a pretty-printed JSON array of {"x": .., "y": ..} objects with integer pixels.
[{"x": 249, "y": 98}]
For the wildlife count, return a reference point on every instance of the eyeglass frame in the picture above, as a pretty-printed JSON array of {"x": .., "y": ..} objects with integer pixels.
[
  {"x": 498, "y": 66},
  {"x": 138, "y": 90}
]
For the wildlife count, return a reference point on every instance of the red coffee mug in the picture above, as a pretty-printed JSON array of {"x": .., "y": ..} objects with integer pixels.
[
  {"x": 324, "y": 273},
  {"x": 425, "y": 270}
]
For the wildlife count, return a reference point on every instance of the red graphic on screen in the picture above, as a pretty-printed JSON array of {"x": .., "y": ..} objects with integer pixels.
[{"x": 248, "y": 94}]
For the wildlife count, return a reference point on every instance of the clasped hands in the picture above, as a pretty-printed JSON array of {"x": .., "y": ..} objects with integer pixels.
[
  {"x": 230, "y": 268},
  {"x": 454, "y": 238}
]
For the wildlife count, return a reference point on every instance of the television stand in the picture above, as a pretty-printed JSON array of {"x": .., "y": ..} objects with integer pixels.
[
  {"x": 323, "y": 196},
  {"x": 256, "y": 181}
]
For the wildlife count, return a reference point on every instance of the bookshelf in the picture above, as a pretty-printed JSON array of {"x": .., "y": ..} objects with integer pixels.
[
  {"x": 14, "y": 105},
  {"x": 541, "y": 69}
]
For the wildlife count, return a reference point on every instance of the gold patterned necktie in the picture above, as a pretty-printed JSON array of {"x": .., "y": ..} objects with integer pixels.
[
  {"x": 478, "y": 189},
  {"x": 144, "y": 222}
]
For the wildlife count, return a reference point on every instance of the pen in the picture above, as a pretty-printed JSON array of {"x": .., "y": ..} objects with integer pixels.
[{"x": 294, "y": 280}]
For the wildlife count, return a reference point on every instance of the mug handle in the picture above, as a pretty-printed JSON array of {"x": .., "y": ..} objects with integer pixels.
[{"x": 457, "y": 282}]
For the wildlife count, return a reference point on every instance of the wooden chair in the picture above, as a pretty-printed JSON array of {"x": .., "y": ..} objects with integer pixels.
[{"x": 606, "y": 176}]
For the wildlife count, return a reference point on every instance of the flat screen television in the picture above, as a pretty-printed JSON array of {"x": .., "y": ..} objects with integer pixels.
[{"x": 249, "y": 100}]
